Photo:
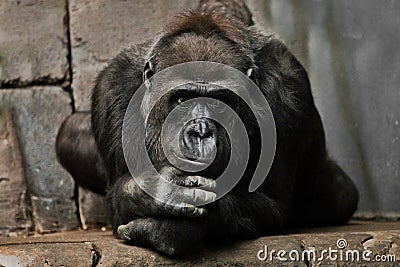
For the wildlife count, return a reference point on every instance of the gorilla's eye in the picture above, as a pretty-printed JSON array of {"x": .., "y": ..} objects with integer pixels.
[
  {"x": 180, "y": 100},
  {"x": 182, "y": 104}
]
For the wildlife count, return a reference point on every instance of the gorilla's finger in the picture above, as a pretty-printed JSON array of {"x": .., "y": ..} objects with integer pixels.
[
  {"x": 188, "y": 210},
  {"x": 177, "y": 209},
  {"x": 194, "y": 181},
  {"x": 126, "y": 232},
  {"x": 195, "y": 195}
]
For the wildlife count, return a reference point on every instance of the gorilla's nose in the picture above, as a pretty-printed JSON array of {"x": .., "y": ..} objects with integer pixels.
[
  {"x": 200, "y": 129},
  {"x": 199, "y": 138}
]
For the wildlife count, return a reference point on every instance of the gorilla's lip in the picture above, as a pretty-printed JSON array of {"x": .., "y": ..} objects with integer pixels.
[{"x": 199, "y": 161}]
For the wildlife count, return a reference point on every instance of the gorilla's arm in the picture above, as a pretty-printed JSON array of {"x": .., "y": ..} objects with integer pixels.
[{"x": 176, "y": 230}]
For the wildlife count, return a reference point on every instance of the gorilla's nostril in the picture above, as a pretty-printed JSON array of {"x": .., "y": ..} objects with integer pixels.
[
  {"x": 201, "y": 133},
  {"x": 205, "y": 134}
]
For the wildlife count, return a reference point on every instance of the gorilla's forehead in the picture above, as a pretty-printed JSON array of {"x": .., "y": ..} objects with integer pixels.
[{"x": 169, "y": 50}]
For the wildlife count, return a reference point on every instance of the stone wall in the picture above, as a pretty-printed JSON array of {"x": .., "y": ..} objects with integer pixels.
[
  {"x": 36, "y": 193},
  {"x": 51, "y": 51}
]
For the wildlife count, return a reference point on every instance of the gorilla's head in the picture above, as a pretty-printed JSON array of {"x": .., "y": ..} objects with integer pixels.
[
  {"x": 191, "y": 137},
  {"x": 202, "y": 37}
]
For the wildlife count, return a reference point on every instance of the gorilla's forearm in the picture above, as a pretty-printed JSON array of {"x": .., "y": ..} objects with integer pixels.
[
  {"x": 245, "y": 215},
  {"x": 141, "y": 220},
  {"x": 129, "y": 201},
  {"x": 144, "y": 221}
]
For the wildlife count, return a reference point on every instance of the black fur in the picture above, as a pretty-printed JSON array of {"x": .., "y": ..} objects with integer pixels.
[
  {"x": 77, "y": 152},
  {"x": 303, "y": 188}
]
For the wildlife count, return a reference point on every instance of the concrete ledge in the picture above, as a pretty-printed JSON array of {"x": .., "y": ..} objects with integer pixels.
[{"x": 97, "y": 248}]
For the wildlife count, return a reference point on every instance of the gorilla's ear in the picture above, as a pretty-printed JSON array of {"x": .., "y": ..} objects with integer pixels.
[{"x": 148, "y": 71}]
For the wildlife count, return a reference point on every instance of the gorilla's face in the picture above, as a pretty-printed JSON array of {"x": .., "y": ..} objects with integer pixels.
[{"x": 190, "y": 139}]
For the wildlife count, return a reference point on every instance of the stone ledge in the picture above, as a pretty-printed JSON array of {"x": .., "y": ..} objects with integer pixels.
[{"x": 97, "y": 248}]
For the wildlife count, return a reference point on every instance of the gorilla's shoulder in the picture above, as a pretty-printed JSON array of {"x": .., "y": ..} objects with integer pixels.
[{"x": 273, "y": 54}]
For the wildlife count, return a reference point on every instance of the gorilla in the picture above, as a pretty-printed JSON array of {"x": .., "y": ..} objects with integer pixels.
[{"x": 304, "y": 187}]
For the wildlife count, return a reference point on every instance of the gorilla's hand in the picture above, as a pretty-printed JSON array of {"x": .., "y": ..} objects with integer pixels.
[
  {"x": 130, "y": 201},
  {"x": 186, "y": 197},
  {"x": 170, "y": 235}
]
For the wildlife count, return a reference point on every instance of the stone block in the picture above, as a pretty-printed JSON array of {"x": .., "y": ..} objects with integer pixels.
[
  {"x": 15, "y": 216},
  {"x": 33, "y": 42},
  {"x": 38, "y": 113},
  {"x": 93, "y": 209}
]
